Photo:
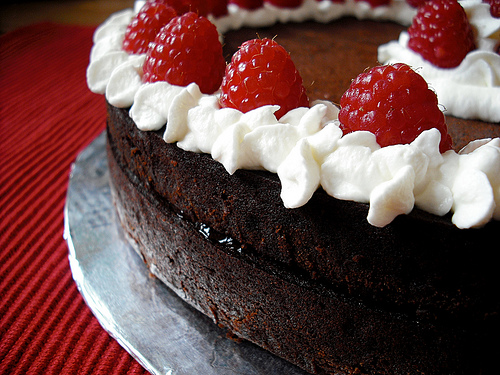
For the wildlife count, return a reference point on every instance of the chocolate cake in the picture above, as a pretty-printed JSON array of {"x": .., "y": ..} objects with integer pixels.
[
  {"x": 317, "y": 285},
  {"x": 418, "y": 296}
]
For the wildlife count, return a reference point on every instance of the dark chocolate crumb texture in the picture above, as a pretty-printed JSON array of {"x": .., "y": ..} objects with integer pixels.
[{"x": 317, "y": 285}]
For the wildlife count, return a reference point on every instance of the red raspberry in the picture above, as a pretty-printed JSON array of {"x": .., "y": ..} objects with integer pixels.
[
  {"x": 441, "y": 33},
  {"x": 494, "y": 7},
  {"x": 216, "y": 8},
  {"x": 186, "y": 50},
  {"x": 394, "y": 103},
  {"x": 415, "y": 3},
  {"x": 261, "y": 73},
  {"x": 185, "y": 6},
  {"x": 248, "y": 4},
  {"x": 145, "y": 25},
  {"x": 285, "y": 3}
]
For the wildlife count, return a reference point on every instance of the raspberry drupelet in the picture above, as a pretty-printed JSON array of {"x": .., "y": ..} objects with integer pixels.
[{"x": 261, "y": 73}]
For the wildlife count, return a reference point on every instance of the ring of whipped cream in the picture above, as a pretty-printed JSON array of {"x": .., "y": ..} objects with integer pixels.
[{"x": 306, "y": 147}]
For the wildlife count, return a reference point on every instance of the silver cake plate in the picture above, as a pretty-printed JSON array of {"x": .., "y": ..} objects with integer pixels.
[{"x": 163, "y": 333}]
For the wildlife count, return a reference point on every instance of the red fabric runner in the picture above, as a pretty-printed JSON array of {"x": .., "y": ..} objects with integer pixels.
[{"x": 47, "y": 116}]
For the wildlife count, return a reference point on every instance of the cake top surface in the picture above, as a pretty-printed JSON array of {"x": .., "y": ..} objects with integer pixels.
[{"x": 306, "y": 147}]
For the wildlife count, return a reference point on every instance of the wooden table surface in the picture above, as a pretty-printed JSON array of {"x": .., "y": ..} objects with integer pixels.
[{"x": 14, "y": 14}]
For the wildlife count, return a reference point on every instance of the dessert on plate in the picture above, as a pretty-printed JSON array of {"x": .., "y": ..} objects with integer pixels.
[{"x": 330, "y": 209}]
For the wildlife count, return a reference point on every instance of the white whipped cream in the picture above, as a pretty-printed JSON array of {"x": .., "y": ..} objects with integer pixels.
[
  {"x": 472, "y": 89},
  {"x": 305, "y": 147},
  {"x": 319, "y": 11}
]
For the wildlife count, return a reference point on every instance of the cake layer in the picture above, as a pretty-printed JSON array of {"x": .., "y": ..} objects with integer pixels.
[{"x": 280, "y": 308}]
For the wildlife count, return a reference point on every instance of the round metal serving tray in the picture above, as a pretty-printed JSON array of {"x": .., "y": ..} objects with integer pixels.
[{"x": 154, "y": 325}]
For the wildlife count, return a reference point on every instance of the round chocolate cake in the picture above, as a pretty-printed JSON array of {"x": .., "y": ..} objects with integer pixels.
[{"x": 317, "y": 285}]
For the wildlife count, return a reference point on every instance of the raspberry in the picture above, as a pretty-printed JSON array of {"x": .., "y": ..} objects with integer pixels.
[
  {"x": 285, "y": 3},
  {"x": 441, "y": 33},
  {"x": 415, "y": 3},
  {"x": 494, "y": 7},
  {"x": 186, "y": 50},
  {"x": 217, "y": 8},
  {"x": 394, "y": 103},
  {"x": 261, "y": 73},
  {"x": 145, "y": 25},
  {"x": 185, "y": 6},
  {"x": 248, "y": 4},
  {"x": 201, "y": 7}
]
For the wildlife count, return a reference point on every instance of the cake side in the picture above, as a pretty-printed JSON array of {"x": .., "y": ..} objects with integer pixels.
[
  {"x": 322, "y": 331},
  {"x": 420, "y": 264},
  {"x": 416, "y": 296}
]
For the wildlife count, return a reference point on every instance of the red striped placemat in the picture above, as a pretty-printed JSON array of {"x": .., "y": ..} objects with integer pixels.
[{"x": 47, "y": 116}]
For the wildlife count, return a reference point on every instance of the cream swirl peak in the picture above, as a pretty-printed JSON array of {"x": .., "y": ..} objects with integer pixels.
[{"x": 312, "y": 151}]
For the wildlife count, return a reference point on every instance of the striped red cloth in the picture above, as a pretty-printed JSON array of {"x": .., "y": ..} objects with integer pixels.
[{"x": 47, "y": 116}]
